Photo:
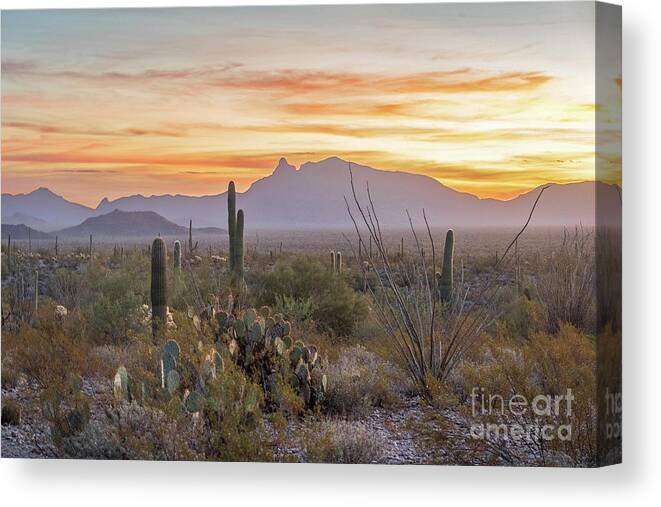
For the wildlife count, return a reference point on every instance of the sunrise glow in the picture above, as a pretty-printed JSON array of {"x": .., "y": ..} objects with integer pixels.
[{"x": 110, "y": 103}]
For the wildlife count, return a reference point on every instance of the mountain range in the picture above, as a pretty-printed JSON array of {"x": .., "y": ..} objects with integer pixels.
[
  {"x": 116, "y": 224},
  {"x": 312, "y": 196}
]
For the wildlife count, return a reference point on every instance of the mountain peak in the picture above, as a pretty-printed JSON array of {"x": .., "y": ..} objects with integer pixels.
[
  {"x": 284, "y": 167},
  {"x": 43, "y": 191}
]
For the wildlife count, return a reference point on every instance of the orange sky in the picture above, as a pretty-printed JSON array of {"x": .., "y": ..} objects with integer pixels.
[{"x": 487, "y": 99}]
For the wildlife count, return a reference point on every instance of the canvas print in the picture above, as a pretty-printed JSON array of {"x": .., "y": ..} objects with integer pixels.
[{"x": 372, "y": 234}]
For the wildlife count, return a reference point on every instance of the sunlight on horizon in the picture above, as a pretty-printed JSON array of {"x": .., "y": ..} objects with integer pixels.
[{"x": 484, "y": 99}]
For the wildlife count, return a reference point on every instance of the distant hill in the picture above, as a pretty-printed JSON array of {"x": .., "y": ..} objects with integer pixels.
[
  {"x": 42, "y": 204},
  {"x": 313, "y": 197},
  {"x": 21, "y": 232},
  {"x": 118, "y": 224},
  {"x": 33, "y": 222}
]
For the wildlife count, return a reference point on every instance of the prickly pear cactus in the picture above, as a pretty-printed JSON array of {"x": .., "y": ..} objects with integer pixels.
[{"x": 172, "y": 382}]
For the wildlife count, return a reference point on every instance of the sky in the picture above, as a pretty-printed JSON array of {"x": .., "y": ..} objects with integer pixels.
[{"x": 491, "y": 99}]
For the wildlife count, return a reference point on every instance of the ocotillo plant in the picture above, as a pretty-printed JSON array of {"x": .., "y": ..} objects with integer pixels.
[
  {"x": 231, "y": 221},
  {"x": 177, "y": 255},
  {"x": 447, "y": 275},
  {"x": 159, "y": 286}
]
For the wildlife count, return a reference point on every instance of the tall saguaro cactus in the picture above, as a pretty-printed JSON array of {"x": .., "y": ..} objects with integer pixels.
[
  {"x": 191, "y": 247},
  {"x": 159, "y": 286},
  {"x": 36, "y": 290},
  {"x": 447, "y": 275},
  {"x": 333, "y": 261},
  {"x": 235, "y": 223},
  {"x": 231, "y": 221},
  {"x": 238, "y": 249},
  {"x": 177, "y": 255}
]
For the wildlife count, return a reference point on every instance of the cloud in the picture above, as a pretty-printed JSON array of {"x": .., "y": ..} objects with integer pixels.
[
  {"x": 88, "y": 155},
  {"x": 66, "y": 130},
  {"x": 456, "y": 81},
  {"x": 299, "y": 81}
]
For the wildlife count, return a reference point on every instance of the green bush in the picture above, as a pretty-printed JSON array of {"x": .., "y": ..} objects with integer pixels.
[
  {"x": 336, "y": 308},
  {"x": 115, "y": 311}
]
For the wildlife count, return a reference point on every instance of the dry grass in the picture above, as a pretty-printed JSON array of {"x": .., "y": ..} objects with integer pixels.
[
  {"x": 360, "y": 380},
  {"x": 337, "y": 441},
  {"x": 566, "y": 282}
]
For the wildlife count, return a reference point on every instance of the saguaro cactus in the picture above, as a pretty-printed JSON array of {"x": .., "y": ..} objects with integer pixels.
[
  {"x": 333, "y": 261},
  {"x": 235, "y": 223},
  {"x": 56, "y": 246},
  {"x": 338, "y": 262},
  {"x": 9, "y": 253},
  {"x": 36, "y": 290},
  {"x": 238, "y": 249},
  {"x": 191, "y": 247},
  {"x": 91, "y": 252},
  {"x": 177, "y": 255},
  {"x": 447, "y": 275},
  {"x": 159, "y": 286},
  {"x": 231, "y": 221}
]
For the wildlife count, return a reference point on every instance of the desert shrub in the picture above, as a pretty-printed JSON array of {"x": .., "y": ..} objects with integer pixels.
[
  {"x": 11, "y": 412},
  {"x": 546, "y": 365},
  {"x": 522, "y": 318},
  {"x": 293, "y": 309},
  {"x": 115, "y": 309},
  {"x": 10, "y": 376},
  {"x": 360, "y": 380},
  {"x": 232, "y": 419},
  {"x": 131, "y": 431},
  {"x": 68, "y": 288},
  {"x": 335, "y": 306},
  {"x": 566, "y": 282},
  {"x": 339, "y": 309},
  {"x": 51, "y": 350},
  {"x": 337, "y": 441}
]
